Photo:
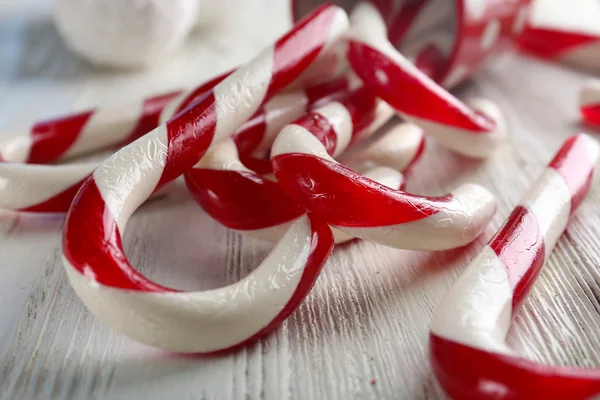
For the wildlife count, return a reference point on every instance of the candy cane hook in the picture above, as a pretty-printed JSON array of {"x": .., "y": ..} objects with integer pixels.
[
  {"x": 218, "y": 319},
  {"x": 467, "y": 345},
  {"x": 363, "y": 208},
  {"x": 589, "y": 102},
  {"x": 241, "y": 199},
  {"x": 417, "y": 98}
]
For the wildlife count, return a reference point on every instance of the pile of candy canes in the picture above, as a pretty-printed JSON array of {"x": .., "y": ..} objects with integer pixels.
[{"x": 289, "y": 103}]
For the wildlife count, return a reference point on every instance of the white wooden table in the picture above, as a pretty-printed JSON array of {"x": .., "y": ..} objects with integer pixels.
[{"x": 362, "y": 333}]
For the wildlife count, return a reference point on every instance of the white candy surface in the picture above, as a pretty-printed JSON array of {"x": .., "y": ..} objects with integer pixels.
[{"x": 130, "y": 33}]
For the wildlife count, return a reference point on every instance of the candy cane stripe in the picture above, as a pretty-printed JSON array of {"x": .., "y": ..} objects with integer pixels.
[
  {"x": 388, "y": 74},
  {"x": 217, "y": 181},
  {"x": 470, "y": 326},
  {"x": 39, "y": 187},
  {"x": 573, "y": 48},
  {"x": 366, "y": 209},
  {"x": 43, "y": 149},
  {"x": 196, "y": 321}
]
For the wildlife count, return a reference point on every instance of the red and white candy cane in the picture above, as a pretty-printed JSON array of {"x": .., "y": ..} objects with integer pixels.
[
  {"x": 572, "y": 48},
  {"x": 565, "y": 32},
  {"x": 218, "y": 319},
  {"x": 366, "y": 209},
  {"x": 241, "y": 199},
  {"x": 92, "y": 130},
  {"x": 457, "y": 36},
  {"x": 51, "y": 188},
  {"x": 589, "y": 102},
  {"x": 417, "y": 98},
  {"x": 399, "y": 146},
  {"x": 26, "y": 185},
  {"x": 468, "y": 347}
]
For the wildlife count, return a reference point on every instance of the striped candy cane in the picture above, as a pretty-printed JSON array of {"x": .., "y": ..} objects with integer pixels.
[
  {"x": 51, "y": 188},
  {"x": 241, "y": 199},
  {"x": 363, "y": 208},
  {"x": 83, "y": 132},
  {"x": 209, "y": 321},
  {"x": 399, "y": 146},
  {"x": 468, "y": 350},
  {"x": 93, "y": 130},
  {"x": 572, "y": 48},
  {"x": 470, "y": 132},
  {"x": 566, "y": 32},
  {"x": 589, "y": 102},
  {"x": 27, "y": 186}
]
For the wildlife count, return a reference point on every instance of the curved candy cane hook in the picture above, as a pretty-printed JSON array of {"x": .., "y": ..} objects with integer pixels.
[
  {"x": 467, "y": 345},
  {"x": 213, "y": 320},
  {"x": 589, "y": 102},
  {"x": 241, "y": 199},
  {"x": 363, "y": 208},
  {"x": 415, "y": 96}
]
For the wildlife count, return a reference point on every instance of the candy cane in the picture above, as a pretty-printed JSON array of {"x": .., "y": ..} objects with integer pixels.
[
  {"x": 363, "y": 208},
  {"x": 416, "y": 97},
  {"x": 241, "y": 199},
  {"x": 97, "y": 266},
  {"x": 589, "y": 102},
  {"x": 468, "y": 346},
  {"x": 571, "y": 48},
  {"x": 399, "y": 146},
  {"x": 51, "y": 188},
  {"x": 92, "y": 130},
  {"x": 566, "y": 32}
]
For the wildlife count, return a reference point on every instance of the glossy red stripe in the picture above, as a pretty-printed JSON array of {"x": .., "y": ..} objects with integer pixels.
[
  {"x": 346, "y": 198},
  {"x": 59, "y": 203},
  {"x": 151, "y": 109},
  {"x": 591, "y": 114},
  {"x": 52, "y": 138},
  {"x": 320, "y": 128},
  {"x": 321, "y": 248},
  {"x": 431, "y": 61},
  {"x": 91, "y": 238},
  {"x": 520, "y": 247},
  {"x": 575, "y": 164},
  {"x": 386, "y": 7},
  {"x": 403, "y": 20},
  {"x": 251, "y": 134},
  {"x": 326, "y": 91},
  {"x": 310, "y": 31},
  {"x": 190, "y": 135},
  {"x": 241, "y": 200},
  {"x": 361, "y": 104},
  {"x": 389, "y": 82},
  {"x": 257, "y": 164},
  {"x": 469, "y": 373},
  {"x": 549, "y": 43},
  {"x": 201, "y": 91}
]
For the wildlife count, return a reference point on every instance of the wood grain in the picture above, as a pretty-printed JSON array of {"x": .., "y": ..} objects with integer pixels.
[{"x": 361, "y": 334}]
